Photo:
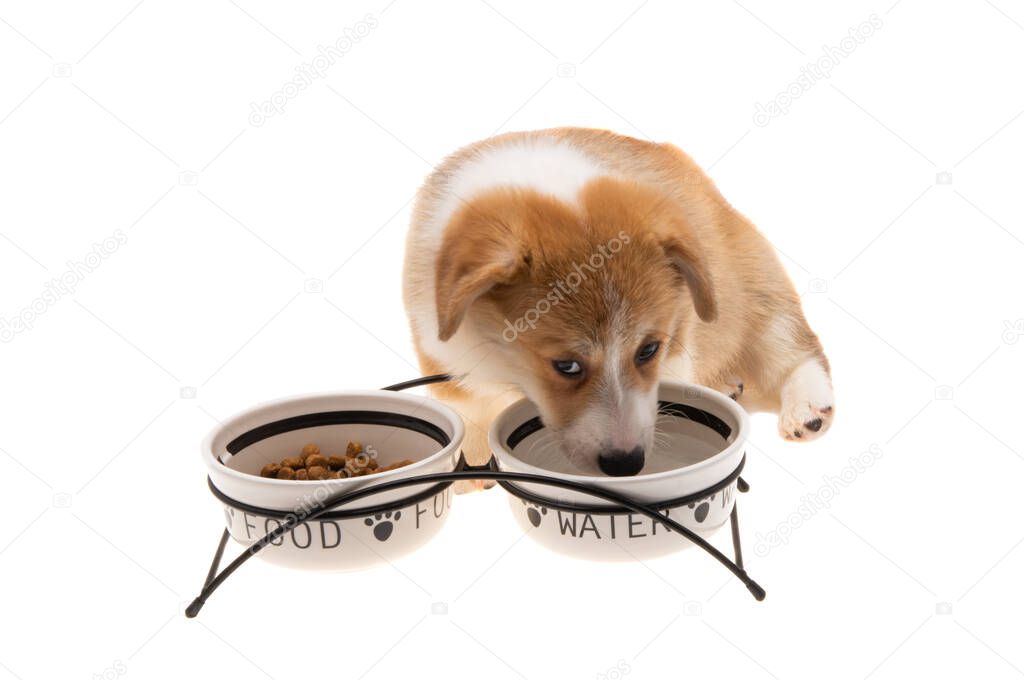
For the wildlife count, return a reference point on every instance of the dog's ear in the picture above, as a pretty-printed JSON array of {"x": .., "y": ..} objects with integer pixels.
[
  {"x": 687, "y": 258},
  {"x": 478, "y": 253},
  {"x": 618, "y": 201}
]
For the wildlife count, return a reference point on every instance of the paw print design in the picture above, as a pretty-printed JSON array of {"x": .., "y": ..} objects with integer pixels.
[
  {"x": 535, "y": 513},
  {"x": 701, "y": 508},
  {"x": 383, "y": 524}
]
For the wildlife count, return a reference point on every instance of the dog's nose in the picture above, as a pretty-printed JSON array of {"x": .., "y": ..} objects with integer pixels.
[{"x": 619, "y": 463}]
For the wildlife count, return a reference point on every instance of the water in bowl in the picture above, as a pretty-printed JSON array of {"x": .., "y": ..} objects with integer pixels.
[{"x": 678, "y": 443}]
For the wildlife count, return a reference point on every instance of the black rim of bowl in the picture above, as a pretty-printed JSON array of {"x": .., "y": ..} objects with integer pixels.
[
  {"x": 238, "y": 445},
  {"x": 685, "y": 411}
]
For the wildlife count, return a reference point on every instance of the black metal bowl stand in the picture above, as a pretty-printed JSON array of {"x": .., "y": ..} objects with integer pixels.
[{"x": 333, "y": 505}]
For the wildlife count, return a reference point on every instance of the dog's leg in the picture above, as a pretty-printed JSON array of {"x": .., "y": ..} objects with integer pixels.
[
  {"x": 477, "y": 412},
  {"x": 680, "y": 367},
  {"x": 732, "y": 388},
  {"x": 474, "y": 444},
  {"x": 806, "y": 407},
  {"x": 786, "y": 372}
]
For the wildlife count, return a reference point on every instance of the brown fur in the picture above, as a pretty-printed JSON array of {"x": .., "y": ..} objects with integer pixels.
[
  {"x": 695, "y": 275},
  {"x": 505, "y": 249}
]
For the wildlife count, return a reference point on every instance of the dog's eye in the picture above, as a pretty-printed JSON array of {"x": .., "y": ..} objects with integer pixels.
[
  {"x": 645, "y": 353},
  {"x": 567, "y": 367}
]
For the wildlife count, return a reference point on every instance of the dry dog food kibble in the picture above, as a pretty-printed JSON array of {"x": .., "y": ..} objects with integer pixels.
[
  {"x": 311, "y": 465},
  {"x": 315, "y": 460}
]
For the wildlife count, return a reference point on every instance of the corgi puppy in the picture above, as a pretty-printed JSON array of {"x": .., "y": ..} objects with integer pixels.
[{"x": 579, "y": 268}]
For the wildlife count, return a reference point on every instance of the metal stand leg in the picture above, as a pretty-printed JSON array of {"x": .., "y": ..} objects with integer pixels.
[
  {"x": 215, "y": 579},
  {"x": 734, "y": 523},
  {"x": 215, "y": 565},
  {"x": 736, "y": 550}
]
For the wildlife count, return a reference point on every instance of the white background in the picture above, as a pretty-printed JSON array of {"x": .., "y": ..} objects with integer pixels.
[{"x": 914, "y": 283}]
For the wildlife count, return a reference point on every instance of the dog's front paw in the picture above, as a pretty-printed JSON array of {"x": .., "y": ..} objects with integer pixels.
[
  {"x": 804, "y": 421},
  {"x": 807, "y": 403},
  {"x": 732, "y": 388},
  {"x": 471, "y": 485}
]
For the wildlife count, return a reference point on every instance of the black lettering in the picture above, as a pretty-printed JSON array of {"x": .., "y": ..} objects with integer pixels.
[
  {"x": 323, "y": 535},
  {"x": 564, "y": 525},
  {"x": 655, "y": 524},
  {"x": 267, "y": 529},
  {"x": 588, "y": 525},
  {"x": 249, "y": 526},
  {"x": 633, "y": 522},
  {"x": 295, "y": 536}
]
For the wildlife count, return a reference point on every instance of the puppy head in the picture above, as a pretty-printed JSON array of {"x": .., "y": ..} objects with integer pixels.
[{"x": 582, "y": 303}]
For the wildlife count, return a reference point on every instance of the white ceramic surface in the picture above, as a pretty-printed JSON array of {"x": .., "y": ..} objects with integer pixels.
[
  {"x": 342, "y": 544},
  {"x": 695, "y": 458}
]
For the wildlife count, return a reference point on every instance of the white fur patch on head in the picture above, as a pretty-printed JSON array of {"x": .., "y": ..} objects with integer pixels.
[{"x": 547, "y": 165}]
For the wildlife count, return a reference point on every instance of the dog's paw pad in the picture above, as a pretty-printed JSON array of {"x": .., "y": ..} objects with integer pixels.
[
  {"x": 807, "y": 403},
  {"x": 805, "y": 421},
  {"x": 733, "y": 388}
]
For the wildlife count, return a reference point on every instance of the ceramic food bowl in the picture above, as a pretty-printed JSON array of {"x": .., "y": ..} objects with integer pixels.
[
  {"x": 701, "y": 447},
  {"x": 397, "y": 426}
]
